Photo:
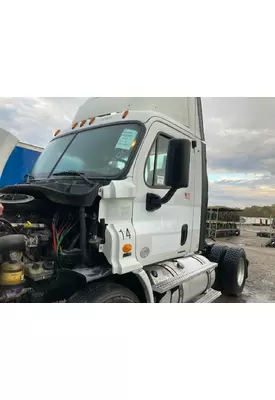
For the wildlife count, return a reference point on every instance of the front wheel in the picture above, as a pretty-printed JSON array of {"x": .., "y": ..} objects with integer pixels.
[{"x": 104, "y": 292}]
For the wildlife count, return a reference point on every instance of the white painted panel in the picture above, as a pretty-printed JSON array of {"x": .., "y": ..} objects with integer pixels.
[
  {"x": 176, "y": 108},
  {"x": 7, "y": 143}
]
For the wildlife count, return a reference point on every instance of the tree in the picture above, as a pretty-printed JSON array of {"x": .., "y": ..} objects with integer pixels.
[{"x": 258, "y": 211}]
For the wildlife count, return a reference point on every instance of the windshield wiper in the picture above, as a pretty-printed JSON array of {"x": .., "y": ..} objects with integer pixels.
[
  {"x": 70, "y": 172},
  {"x": 74, "y": 173}
]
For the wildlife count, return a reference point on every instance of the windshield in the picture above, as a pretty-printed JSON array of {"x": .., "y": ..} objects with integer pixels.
[{"x": 98, "y": 152}]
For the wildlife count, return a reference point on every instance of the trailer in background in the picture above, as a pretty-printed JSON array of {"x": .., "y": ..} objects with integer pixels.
[
  {"x": 223, "y": 222},
  {"x": 16, "y": 158}
]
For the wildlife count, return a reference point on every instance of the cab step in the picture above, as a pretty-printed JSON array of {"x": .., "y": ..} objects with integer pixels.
[{"x": 209, "y": 297}]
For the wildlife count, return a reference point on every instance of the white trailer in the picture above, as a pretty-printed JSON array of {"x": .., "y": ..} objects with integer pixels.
[{"x": 16, "y": 158}]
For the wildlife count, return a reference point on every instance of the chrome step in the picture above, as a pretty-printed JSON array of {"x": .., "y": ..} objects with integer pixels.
[
  {"x": 209, "y": 297},
  {"x": 169, "y": 284}
]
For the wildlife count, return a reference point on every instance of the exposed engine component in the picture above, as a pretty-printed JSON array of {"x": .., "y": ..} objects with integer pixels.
[
  {"x": 11, "y": 274},
  {"x": 10, "y": 245},
  {"x": 12, "y": 198},
  {"x": 39, "y": 271},
  {"x": 12, "y": 266},
  {"x": 40, "y": 241}
]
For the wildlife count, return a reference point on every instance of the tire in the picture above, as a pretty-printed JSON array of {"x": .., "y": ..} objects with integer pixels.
[
  {"x": 217, "y": 255},
  {"x": 233, "y": 272},
  {"x": 104, "y": 292}
]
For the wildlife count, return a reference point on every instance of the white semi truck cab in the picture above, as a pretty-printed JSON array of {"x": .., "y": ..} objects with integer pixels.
[{"x": 115, "y": 211}]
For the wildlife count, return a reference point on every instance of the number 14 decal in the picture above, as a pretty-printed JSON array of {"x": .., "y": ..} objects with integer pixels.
[{"x": 125, "y": 233}]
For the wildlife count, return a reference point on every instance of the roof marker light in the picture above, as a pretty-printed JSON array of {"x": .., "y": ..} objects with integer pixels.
[
  {"x": 82, "y": 123},
  {"x": 91, "y": 120},
  {"x": 74, "y": 125},
  {"x": 124, "y": 115},
  {"x": 57, "y": 132}
]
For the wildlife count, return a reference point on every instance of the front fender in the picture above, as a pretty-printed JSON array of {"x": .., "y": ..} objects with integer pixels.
[{"x": 146, "y": 285}]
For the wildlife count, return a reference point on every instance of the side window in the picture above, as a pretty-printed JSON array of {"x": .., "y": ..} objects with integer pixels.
[{"x": 156, "y": 162}]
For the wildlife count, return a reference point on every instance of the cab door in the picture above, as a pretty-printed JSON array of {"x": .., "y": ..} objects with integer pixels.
[{"x": 165, "y": 233}]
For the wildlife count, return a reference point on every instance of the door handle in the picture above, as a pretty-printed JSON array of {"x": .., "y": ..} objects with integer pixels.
[{"x": 184, "y": 234}]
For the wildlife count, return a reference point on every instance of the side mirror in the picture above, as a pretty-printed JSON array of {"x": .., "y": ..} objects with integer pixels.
[
  {"x": 178, "y": 164},
  {"x": 176, "y": 174}
]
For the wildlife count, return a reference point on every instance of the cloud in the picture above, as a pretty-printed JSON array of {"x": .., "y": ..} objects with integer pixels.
[
  {"x": 34, "y": 120},
  {"x": 242, "y": 192},
  {"x": 240, "y": 135}
]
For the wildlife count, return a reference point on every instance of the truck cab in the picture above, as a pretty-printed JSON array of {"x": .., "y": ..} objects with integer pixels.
[{"x": 129, "y": 178}]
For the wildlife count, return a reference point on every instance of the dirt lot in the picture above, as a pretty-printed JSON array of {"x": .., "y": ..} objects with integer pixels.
[{"x": 260, "y": 286}]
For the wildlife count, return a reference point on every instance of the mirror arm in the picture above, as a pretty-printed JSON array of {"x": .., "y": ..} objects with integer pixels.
[
  {"x": 154, "y": 201},
  {"x": 168, "y": 196}
]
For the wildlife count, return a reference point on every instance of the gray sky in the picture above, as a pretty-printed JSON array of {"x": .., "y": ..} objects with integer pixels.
[{"x": 240, "y": 134}]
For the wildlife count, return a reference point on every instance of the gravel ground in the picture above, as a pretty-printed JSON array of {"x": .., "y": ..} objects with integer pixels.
[{"x": 260, "y": 286}]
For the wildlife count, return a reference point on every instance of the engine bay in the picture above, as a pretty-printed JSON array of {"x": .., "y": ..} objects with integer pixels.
[{"x": 42, "y": 243}]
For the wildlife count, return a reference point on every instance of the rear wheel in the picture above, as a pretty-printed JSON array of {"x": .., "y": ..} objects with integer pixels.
[
  {"x": 218, "y": 252},
  {"x": 104, "y": 292},
  {"x": 217, "y": 255},
  {"x": 233, "y": 272}
]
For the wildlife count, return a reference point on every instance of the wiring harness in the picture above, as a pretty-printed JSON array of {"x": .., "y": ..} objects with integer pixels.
[{"x": 60, "y": 231}]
